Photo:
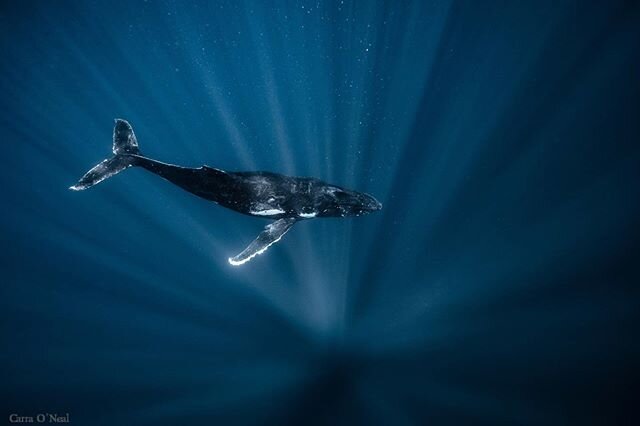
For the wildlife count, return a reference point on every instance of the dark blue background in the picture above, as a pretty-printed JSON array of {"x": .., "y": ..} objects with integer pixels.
[{"x": 499, "y": 285}]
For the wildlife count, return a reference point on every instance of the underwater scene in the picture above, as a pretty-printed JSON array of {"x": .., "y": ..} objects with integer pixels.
[{"x": 320, "y": 212}]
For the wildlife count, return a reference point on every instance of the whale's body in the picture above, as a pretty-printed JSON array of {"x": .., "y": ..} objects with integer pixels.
[{"x": 285, "y": 199}]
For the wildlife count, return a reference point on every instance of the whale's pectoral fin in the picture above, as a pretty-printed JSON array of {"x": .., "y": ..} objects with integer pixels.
[{"x": 271, "y": 235}]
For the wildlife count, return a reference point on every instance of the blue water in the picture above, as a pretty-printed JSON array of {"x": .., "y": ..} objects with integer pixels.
[{"x": 499, "y": 284}]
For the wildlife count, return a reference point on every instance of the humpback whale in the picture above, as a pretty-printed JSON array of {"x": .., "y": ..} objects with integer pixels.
[{"x": 284, "y": 199}]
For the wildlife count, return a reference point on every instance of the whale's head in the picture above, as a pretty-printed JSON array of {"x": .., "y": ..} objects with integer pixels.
[{"x": 340, "y": 202}]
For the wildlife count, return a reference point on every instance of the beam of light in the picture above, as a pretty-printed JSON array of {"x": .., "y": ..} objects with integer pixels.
[
  {"x": 277, "y": 118},
  {"x": 499, "y": 138},
  {"x": 205, "y": 61}
]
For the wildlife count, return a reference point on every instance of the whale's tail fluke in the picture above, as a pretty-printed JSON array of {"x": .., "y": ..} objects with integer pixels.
[{"x": 125, "y": 150}]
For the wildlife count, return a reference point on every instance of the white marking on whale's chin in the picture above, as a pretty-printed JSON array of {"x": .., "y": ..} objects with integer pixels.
[
  {"x": 308, "y": 215},
  {"x": 268, "y": 212}
]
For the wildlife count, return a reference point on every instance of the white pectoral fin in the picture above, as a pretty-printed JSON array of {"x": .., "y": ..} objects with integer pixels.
[{"x": 272, "y": 234}]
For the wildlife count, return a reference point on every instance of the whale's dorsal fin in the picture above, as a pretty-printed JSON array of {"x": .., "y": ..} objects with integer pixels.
[
  {"x": 213, "y": 170},
  {"x": 271, "y": 235},
  {"x": 205, "y": 167}
]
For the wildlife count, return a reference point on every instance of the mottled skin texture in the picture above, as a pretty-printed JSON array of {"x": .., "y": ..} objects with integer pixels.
[{"x": 254, "y": 193}]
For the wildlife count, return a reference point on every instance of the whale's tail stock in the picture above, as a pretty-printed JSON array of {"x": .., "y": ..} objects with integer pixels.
[{"x": 125, "y": 152}]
